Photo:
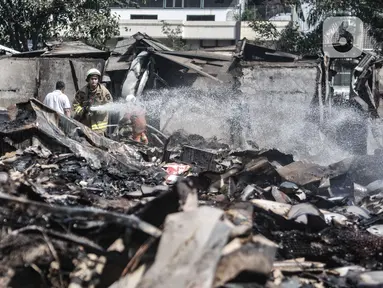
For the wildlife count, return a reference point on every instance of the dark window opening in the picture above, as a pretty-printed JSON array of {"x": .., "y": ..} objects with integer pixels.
[
  {"x": 192, "y": 3},
  {"x": 218, "y": 3},
  {"x": 208, "y": 43},
  {"x": 200, "y": 18},
  {"x": 143, "y": 17},
  {"x": 173, "y": 3}
]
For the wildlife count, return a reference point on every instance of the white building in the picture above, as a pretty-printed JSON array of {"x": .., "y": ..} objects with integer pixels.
[{"x": 202, "y": 23}]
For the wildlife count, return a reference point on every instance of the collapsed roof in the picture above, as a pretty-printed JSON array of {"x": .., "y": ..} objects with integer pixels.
[
  {"x": 66, "y": 49},
  {"x": 208, "y": 62},
  {"x": 8, "y": 50}
]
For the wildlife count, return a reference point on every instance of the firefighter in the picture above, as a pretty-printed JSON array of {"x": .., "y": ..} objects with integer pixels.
[
  {"x": 92, "y": 94},
  {"x": 133, "y": 123}
]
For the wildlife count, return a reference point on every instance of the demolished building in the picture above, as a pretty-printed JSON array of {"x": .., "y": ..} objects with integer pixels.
[
  {"x": 247, "y": 78},
  {"x": 126, "y": 68},
  {"x": 82, "y": 210},
  {"x": 33, "y": 74}
]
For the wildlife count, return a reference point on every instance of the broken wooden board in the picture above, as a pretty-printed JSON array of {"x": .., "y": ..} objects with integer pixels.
[{"x": 197, "y": 238}]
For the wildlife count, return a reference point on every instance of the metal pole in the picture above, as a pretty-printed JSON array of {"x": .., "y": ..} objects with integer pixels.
[{"x": 238, "y": 23}]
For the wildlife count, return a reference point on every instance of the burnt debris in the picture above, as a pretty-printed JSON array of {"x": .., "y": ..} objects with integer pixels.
[{"x": 81, "y": 210}]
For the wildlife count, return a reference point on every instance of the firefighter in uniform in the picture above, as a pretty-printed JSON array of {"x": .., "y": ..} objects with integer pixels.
[
  {"x": 92, "y": 94},
  {"x": 133, "y": 123}
]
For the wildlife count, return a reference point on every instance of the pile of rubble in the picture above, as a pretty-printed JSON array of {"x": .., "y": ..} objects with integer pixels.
[{"x": 80, "y": 210}]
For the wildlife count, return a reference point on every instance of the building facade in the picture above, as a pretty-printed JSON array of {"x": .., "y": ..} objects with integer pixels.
[{"x": 201, "y": 23}]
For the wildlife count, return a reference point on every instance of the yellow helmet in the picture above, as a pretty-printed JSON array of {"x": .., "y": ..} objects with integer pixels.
[{"x": 91, "y": 72}]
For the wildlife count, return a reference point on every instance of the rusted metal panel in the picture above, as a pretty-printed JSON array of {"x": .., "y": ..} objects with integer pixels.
[
  {"x": 114, "y": 64},
  {"x": 75, "y": 48},
  {"x": 255, "y": 52},
  {"x": 222, "y": 49},
  {"x": 187, "y": 64},
  {"x": 124, "y": 45}
]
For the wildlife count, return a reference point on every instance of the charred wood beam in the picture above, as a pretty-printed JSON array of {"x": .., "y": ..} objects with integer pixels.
[
  {"x": 66, "y": 237},
  {"x": 74, "y": 76},
  {"x": 36, "y": 208}
]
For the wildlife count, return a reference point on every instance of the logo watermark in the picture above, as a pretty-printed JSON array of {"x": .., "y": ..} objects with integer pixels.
[{"x": 343, "y": 37}]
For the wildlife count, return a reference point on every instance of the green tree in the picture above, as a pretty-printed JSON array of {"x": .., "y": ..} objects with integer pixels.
[
  {"x": 246, "y": 15},
  {"x": 42, "y": 20},
  {"x": 265, "y": 31},
  {"x": 294, "y": 41},
  {"x": 174, "y": 36},
  {"x": 369, "y": 11}
]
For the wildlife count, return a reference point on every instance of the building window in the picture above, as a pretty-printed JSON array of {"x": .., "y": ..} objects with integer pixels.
[
  {"x": 183, "y": 4},
  {"x": 218, "y": 3},
  {"x": 143, "y": 17},
  {"x": 208, "y": 43},
  {"x": 192, "y": 3},
  {"x": 200, "y": 18},
  {"x": 150, "y": 3},
  {"x": 174, "y": 3}
]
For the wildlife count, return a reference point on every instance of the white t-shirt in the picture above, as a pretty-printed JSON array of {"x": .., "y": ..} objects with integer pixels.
[{"x": 57, "y": 101}]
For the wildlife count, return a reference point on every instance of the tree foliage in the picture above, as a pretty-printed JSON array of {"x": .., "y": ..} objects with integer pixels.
[
  {"x": 289, "y": 39},
  {"x": 41, "y": 20},
  {"x": 174, "y": 36},
  {"x": 292, "y": 40},
  {"x": 369, "y": 11},
  {"x": 264, "y": 30}
]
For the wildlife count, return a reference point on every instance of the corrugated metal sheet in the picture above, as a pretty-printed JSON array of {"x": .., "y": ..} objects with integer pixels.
[
  {"x": 123, "y": 45},
  {"x": 114, "y": 64},
  {"x": 75, "y": 48},
  {"x": 223, "y": 49},
  {"x": 200, "y": 54},
  {"x": 188, "y": 64},
  {"x": 66, "y": 49}
]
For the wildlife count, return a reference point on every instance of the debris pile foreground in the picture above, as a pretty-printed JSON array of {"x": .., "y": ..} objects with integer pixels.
[{"x": 80, "y": 210}]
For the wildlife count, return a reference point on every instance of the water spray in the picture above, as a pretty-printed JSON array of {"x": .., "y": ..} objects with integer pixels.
[{"x": 270, "y": 121}]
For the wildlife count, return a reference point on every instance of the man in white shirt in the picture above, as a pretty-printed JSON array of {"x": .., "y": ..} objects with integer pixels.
[{"x": 57, "y": 100}]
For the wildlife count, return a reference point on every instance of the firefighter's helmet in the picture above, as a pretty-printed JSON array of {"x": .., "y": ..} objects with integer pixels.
[
  {"x": 92, "y": 72},
  {"x": 131, "y": 99}
]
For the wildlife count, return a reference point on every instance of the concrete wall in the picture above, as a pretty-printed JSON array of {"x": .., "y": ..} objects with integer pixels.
[
  {"x": 193, "y": 30},
  {"x": 221, "y": 14},
  {"x": 17, "y": 80},
  {"x": 53, "y": 69},
  {"x": 201, "y": 30},
  {"x": 277, "y": 99},
  {"x": 23, "y": 78},
  {"x": 271, "y": 109}
]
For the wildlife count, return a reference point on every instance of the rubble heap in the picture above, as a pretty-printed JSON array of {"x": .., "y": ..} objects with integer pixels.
[{"x": 80, "y": 210}]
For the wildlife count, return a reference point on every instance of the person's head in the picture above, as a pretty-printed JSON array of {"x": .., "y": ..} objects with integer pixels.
[
  {"x": 60, "y": 85},
  {"x": 93, "y": 77},
  {"x": 131, "y": 99}
]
